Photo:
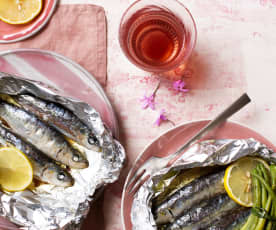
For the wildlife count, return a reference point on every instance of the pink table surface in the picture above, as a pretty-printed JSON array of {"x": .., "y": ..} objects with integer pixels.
[{"x": 235, "y": 52}]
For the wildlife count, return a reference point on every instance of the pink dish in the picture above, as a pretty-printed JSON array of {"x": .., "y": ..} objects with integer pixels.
[
  {"x": 13, "y": 33},
  {"x": 171, "y": 140},
  {"x": 63, "y": 74}
]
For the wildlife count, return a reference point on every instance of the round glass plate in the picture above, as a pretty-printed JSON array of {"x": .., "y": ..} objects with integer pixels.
[
  {"x": 63, "y": 74},
  {"x": 171, "y": 140},
  {"x": 13, "y": 33}
]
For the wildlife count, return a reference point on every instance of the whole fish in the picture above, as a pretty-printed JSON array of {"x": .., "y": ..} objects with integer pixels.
[
  {"x": 61, "y": 118},
  {"x": 177, "y": 181},
  {"x": 43, "y": 167},
  {"x": 43, "y": 137},
  {"x": 202, "y": 188},
  {"x": 211, "y": 216},
  {"x": 196, "y": 213}
]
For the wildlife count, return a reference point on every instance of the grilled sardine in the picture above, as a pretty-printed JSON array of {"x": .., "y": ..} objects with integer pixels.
[
  {"x": 209, "y": 216},
  {"x": 43, "y": 137},
  {"x": 202, "y": 188},
  {"x": 44, "y": 168},
  {"x": 60, "y": 118}
]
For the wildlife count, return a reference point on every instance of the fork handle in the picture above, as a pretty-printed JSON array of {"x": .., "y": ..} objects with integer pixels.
[{"x": 228, "y": 112}]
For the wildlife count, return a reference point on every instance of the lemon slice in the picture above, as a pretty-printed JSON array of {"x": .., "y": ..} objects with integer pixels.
[
  {"x": 19, "y": 11},
  {"x": 237, "y": 180},
  {"x": 16, "y": 172}
]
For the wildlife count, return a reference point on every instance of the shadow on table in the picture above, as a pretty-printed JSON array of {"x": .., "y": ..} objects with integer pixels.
[{"x": 95, "y": 218}]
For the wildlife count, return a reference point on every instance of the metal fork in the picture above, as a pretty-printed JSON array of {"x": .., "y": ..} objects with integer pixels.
[{"x": 155, "y": 163}]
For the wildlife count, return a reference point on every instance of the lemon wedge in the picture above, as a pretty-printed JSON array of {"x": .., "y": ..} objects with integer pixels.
[
  {"x": 237, "y": 180},
  {"x": 16, "y": 172},
  {"x": 19, "y": 11}
]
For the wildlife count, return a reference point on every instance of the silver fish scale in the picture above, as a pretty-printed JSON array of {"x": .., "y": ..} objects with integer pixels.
[{"x": 57, "y": 110}]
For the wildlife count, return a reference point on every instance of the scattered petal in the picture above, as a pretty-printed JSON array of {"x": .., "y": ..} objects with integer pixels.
[
  {"x": 162, "y": 117},
  {"x": 148, "y": 102},
  {"x": 179, "y": 86}
]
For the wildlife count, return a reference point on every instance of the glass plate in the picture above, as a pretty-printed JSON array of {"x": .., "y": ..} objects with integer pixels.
[
  {"x": 63, "y": 74},
  {"x": 171, "y": 140}
]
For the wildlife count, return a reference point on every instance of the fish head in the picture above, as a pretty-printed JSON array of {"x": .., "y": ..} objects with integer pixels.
[
  {"x": 78, "y": 161},
  {"x": 58, "y": 176},
  {"x": 91, "y": 142}
]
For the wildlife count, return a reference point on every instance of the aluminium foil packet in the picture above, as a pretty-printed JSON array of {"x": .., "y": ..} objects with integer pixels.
[
  {"x": 203, "y": 154},
  {"x": 50, "y": 207}
]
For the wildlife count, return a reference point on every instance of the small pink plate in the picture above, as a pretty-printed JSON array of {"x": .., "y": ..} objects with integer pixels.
[
  {"x": 171, "y": 140},
  {"x": 13, "y": 33}
]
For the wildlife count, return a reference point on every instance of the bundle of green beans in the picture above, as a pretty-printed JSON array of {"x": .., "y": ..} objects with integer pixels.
[{"x": 263, "y": 212}]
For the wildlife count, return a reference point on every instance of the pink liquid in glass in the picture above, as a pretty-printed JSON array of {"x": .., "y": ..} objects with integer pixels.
[{"x": 155, "y": 39}]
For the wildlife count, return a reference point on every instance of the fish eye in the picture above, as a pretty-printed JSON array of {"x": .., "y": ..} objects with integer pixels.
[
  {"x": 61, "y": 176},
  {"x": 92, "y": 140},
  {"x": 76, "y": 158}
]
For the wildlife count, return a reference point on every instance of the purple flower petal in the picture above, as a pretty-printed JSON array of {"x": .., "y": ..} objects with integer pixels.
[
  {"x": 179, "y": 86},
  {"x": 152, "y": 106},
  {"x": 148, "y": 102},
  {"x": 184, "y": 90},
  {"x": 158, "y": 122},
  {"x": 161, "y": 118},
  {"x": 145, "y": 105}
]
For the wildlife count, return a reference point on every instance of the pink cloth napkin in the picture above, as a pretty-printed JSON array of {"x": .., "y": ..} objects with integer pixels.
[{"x": 77, "y": 32}]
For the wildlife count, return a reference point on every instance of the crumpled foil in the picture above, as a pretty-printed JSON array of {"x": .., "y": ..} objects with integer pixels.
[
  {"x": 50, "y": 207},
  {"x": 205, "y": 153}
]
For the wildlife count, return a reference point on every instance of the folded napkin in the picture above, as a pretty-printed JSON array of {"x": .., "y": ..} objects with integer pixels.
[{"x": 77, "y": 32}]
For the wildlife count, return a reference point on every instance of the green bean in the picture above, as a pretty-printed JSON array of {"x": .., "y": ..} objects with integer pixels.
[
  {"x": 264, "y": 193},
  {"x": 273, "y": 210},
  {"x": 270, "y": 178},
  {"x": 265, "y": 185},
  {"x": 262, "y": 221},
  {"x": 273, "y": 176},
  {"x": 252, "y": 219},
  {"x": 273, "y": 213},
  {"x": 259, "y": 195},
  {"x": 266, "y": 173},
  {"x": 262, "y": 213},
  {"x": 273, "y": 185},
  {"x": 257, "y": 190},
  {"x": 269, "y": 224},
  {"x": 268, "y": 188},
  {"x": 250, "y": 223}
]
